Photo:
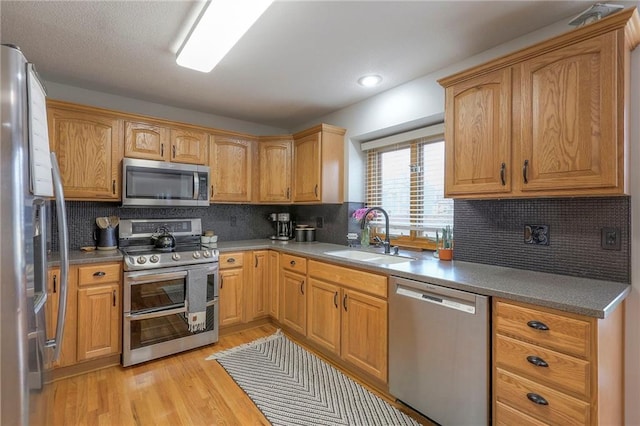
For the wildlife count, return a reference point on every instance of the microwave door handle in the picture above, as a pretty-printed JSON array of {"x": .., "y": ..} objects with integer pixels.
[
  {"x": 63, "y": 237},
  {"x": 196, "y": 185}
]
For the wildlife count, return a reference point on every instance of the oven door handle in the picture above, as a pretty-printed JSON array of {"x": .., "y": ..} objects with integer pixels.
[
  {"x": 145, "y": 277},
  {"x": 156, "y": 314}
]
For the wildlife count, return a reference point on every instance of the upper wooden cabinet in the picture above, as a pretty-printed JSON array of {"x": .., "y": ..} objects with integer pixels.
[
  {"x": 274, "y": 158},
  {"x": 230, "y": 160},
  {"x": 88, "y": 145},
  {"x": 544, "y": 121},
  {"x": 151, "y": 141},
  {"x": 318, "y": 165}
]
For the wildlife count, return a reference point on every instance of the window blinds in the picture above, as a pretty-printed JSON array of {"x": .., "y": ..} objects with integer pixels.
[{"x": 407, "y": 180}]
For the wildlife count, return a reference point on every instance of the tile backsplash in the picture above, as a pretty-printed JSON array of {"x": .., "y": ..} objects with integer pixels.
[{"x": 493, "y": 232}]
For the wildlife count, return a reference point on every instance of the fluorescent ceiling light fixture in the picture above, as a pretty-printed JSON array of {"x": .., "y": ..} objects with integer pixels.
[
  {"x": 369, "y": 80},
  {"x": 218, "y": 28}
]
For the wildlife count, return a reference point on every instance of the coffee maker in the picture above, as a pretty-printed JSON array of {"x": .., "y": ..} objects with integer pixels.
[{"x": 283, "y": 225}]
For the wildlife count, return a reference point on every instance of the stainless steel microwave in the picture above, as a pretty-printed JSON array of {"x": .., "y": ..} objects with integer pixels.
[{"x": 158, "y": 183}]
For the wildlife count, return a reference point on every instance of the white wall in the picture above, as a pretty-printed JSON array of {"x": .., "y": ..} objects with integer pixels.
[{"x": 122, "y": 103}]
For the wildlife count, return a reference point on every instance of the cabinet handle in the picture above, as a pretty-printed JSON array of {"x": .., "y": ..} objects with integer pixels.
[
  {"x": 292, "y": 263},
  {"x": 503, "y": 169},
  {"x": 335, "y": 299},
  {"x": 524, "y": 171},
  {"x": 315, "y": 190},
  {"x": 288, "y": 193},
  {"x": 344, "y": 302},
  {"x": 174, "y": 151},
  {"x": 161, "y": 150},
  {"x": 113, "y": 187},
  {"x": 256, "y": 261},
  {"x": 302, "y": 286},
  {"x": 538, "y": 325},
  {"x": 212, "y": 190},
  {"x": 221, "y": 282},
  {"x": 231, "y": 260},
  {"x": 99, "y": 274},
  {"x": 55, "y": 283},
  {"x": 114, "y": 298},
  {"x": 534, "y": 397},
  {"x": 537, "y": 361}
]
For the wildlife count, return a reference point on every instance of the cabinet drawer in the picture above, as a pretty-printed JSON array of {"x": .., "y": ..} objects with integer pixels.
[
  {"x": 98, "y": 274},
  {"x": 561, "y": 409},
  {"x": 563, "y": 372},
  {"x": 507, "y": 416},
  {"x": 231, "y": 260},
  {"x": 294, "y": 263},
  {"x": 351, "y": 278},
  {"x": 564, "y": 334}
]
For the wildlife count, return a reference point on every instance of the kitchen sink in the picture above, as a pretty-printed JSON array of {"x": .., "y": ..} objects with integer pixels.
[{"x": 370, "y": 257}]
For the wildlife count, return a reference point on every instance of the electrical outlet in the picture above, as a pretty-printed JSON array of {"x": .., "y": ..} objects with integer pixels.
[
  {"x": 232, "y": 221},
  {"x": 536, "y": 234},
  {"x": 610, "y": 239},
  {"x": 319, "y": 222}
]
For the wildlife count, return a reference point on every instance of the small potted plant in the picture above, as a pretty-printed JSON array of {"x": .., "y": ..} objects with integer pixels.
[
  {"x": 445, "y": 244},
  {"x": 365, "y": 236}
]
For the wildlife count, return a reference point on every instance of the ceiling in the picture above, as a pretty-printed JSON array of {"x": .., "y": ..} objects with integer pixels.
[{"x": 299, "y": 62}]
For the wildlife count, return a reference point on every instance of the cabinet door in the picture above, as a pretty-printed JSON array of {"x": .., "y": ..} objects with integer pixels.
[
  {"x": 307, "y": 168},
  {"x": 323, "y": 318},
  {"x": 364, "y": 332},
  {"x": 274, "y": 284},
  {"x": 294, "y": 301},
  {"x": 230, "y": 162},
  {"x": 478, "y": 135},
  {"x": 231, "y": 296},
  {"x": 98, "y": 321},
  {"x": 89, "y": 148},
  {"x": 146, "y": 141},
  {"x": 188, "y": 146},
  {"x": 259, "y": 285},
  {"x": 570, "y": 119},
  {"x": 68, "y": 352},
  {"x": 275, "y": 171}
]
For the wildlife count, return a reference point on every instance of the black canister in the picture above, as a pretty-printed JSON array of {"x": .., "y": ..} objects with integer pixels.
[
  {"x": 300, "y": 234},
  {"x": 106, "y": 238},
  {"x": 309, "y": 234}
]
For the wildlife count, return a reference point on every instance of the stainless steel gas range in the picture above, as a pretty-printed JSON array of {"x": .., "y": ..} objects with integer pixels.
[{"x": 170, "y": 289}]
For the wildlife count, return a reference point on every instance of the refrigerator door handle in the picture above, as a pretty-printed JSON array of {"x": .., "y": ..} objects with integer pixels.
[{"x": 63, "y": 239}]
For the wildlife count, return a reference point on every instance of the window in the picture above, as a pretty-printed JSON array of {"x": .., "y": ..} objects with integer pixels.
[{"x": 407, "y": 180}]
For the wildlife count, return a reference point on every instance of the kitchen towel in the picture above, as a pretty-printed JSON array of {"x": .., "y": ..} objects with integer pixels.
[{"x": 197, "y": 299}]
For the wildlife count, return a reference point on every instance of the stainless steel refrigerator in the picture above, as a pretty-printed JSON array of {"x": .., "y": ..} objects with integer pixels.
[{"x": 29, "y": 177}]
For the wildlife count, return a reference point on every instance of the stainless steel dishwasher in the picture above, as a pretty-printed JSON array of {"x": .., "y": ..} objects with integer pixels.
[{"x": 439, "y": 352}]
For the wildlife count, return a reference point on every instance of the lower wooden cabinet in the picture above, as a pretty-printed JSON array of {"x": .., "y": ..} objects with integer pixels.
[
  {"x": 68, "y": 351},
  {"x": 258, "y": 297},
  {"x": 232, "y": 278},
  {"x": 350, "y": 323},
  {"x": 557, "y": 368},
  {"x": 273, "y": 278},
  {"x": 99, "y": 316},
  {"x": 294, "y": 301}
]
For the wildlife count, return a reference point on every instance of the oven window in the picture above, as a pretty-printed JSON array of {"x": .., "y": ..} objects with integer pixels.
[
  {"x": 163, "y": 294},
  {"x": 151, "y": 331}
]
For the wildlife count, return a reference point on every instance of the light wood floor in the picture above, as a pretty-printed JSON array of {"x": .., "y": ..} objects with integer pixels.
[{"x": 184, "y": 389}]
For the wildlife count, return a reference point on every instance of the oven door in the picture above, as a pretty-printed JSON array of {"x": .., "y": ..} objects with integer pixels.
[{"x": 155, "y": 322}]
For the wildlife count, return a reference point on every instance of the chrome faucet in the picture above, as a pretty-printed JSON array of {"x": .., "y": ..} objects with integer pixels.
[{"x": 387, "y": 241}]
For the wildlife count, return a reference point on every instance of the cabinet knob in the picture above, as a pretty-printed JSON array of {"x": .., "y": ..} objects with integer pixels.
[
  {"x": 538, "y": 325},
  {"x": 534, "y": 397},
  {"x": 292, "y": 263},
  {"x": 537, "y": 361}
]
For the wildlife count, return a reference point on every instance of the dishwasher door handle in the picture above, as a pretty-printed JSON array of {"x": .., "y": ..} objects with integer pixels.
[{"x": 437, "y": 299}]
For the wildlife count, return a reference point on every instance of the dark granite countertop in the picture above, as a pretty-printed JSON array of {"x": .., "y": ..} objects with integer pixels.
[{"x": 594, "y": 298}]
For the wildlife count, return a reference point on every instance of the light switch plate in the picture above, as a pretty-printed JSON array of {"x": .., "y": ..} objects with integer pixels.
[
  {"x": 610, "y": 239},
  {"x": 536, "y": 234}
]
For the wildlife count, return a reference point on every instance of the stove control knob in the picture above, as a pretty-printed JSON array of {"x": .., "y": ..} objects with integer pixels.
[
  {"x": 142, "y": 260},
  {"x": 175, "y": 256},
  {"x": 206, "y": 253},
  {"x": 196, "y": 255},
  {"x": 154, "y": 258},
  {"x": 132, "y": 260}
]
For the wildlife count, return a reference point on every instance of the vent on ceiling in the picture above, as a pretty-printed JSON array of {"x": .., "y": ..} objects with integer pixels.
[{"x": 595, "y": 13}]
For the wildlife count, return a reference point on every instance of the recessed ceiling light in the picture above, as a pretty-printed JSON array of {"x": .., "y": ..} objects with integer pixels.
[{"x": 369, "y": 80}]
